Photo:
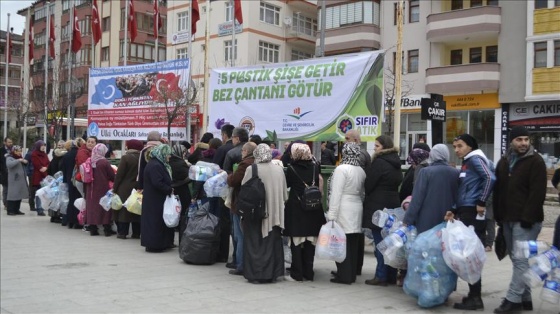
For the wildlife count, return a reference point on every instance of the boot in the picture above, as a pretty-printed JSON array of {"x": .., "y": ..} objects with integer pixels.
[
  {"x": 509, "y": 307},
  {"x": 470, "y": 303}
]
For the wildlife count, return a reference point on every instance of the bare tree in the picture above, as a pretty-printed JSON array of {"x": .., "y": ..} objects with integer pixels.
[{"x": 390, "y": 90}]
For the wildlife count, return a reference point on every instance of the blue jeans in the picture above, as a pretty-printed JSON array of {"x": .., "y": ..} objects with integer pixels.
[
  {"x": 382, "y": 271},
  {"x": 518, "y": 291},
  {"x": 238, "y": 237},
  {"x": 38, "y": 206}
]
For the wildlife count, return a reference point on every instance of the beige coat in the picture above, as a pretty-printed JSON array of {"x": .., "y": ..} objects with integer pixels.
[{"x": 347, "y": 196}]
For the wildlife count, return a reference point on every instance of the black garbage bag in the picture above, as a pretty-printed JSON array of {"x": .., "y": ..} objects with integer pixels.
[{"x": 201, "y": 239}]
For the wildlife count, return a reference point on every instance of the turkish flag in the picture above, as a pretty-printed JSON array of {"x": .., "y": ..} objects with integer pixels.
[
  {"x": 195, "y": 16},
  {"x": 157, "y": 19},
  {"x": 76, "y": 34},
  {"x": 132, "y": 26},
  {"x": 238, "y": 14},
  {"x": 95, "y": 23},
  {"x": 31, "y": 44},
  {"x": 51, "y": 38}
]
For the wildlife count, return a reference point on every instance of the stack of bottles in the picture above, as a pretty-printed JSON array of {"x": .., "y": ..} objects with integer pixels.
[
  {"x": 53, "y": 194},
  {"x": 203, "y": 171},
  {"x": 105, "y": 200},
  {"x": 217, "y": 185},
  {"x": 429, "y": 278},
  {"x": 544, "y": 265},
  {"x": 395, "y": 235}
]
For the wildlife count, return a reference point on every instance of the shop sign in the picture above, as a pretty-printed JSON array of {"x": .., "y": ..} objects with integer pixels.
[
  {"x": 504, "y": 126},
  {"x": 472, "y": 102},
  {"x": 407, "y": 103},
  {"x": 179, "y": 38},
  {"x": 433, "y": 110},
  {"x": 532, "y": 110},
  {"x": 224, "y": 29}
]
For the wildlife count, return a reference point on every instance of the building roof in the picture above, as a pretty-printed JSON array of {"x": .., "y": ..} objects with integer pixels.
[{"x": 15, "y": 37}]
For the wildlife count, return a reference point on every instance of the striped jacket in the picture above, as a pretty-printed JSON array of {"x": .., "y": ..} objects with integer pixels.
[{"x": 476, "y": 180}]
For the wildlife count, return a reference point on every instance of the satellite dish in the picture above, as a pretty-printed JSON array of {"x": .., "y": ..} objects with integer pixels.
[{"x": 288, "y": 21}]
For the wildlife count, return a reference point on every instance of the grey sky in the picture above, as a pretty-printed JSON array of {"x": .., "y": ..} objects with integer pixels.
[{"x": 16, "y": 21}]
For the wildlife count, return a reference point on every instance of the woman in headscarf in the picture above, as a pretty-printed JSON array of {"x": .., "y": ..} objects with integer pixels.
[
  {"x": 55, "y": 166},
  {"x": 125, "y": 181},
  {"x": 68, "y": 165},
  {"x": 435, "y": 191},
  {"x": 417, "y": 159},
  {"x": 346, "y": 187},
  {"x": 156, "y": 236},
  {"x": 17, "y": 189},
  {"x": 103, "y": 173},
  {"x": 383, "y": 177},
  {"x": 40, "y": 162},
  {"x": 302, "y": 226},
  {"x": 180, "y": 182},
  {"x": 263, "y": 252}
]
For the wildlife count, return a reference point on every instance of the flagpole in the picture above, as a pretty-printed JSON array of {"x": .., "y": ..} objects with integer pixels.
[
  {"x": 157, "y": 33},
  {"x": 26, "y": 84},
  {"x": 69, "y": 80},
  {"x": 125, "y": 48},
  {"x": 206, "y": 74},
  {"x": 189, "y": 56},
  {"x": 8, "y": 55},
  {"x": 233, "y": 54},
  {"x": 48, "y": 38}
]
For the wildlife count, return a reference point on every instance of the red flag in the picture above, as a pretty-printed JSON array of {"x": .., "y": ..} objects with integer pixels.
[
  {"x": 95, "y": 24},
  {"x": 195, "y": 16},
  {"x": 132, "y": 27},
  {"x": 51, "y": 38},
  {"x": 76, "y": 34},
  {"x": 31, "y": 44},
  {"x": 157, "y": 19},
  {"x": 237, "y": 13},
  {"x": 9, "y": 50}
]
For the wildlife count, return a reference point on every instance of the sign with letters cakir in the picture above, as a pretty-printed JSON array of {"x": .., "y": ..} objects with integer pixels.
[
  {"x": 123, "y": 101},
  {"x": 313, "y": 99},
  {"x": 432, "y": 110}
]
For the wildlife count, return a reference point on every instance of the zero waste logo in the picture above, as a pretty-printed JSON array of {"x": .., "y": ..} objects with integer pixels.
[
  {"x": 297, "y": 113},
  {"x": 344, "y": 124}
]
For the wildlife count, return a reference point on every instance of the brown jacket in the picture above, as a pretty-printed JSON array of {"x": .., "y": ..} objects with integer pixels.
[{"x": 235, "y": 178}]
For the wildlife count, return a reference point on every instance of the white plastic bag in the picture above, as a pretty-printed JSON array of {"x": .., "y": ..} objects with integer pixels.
[
  {"x": 217, "y": 185},
  {"x": 462, "y": 251},
  {"x": 134, "y": 202},
  {"x": 171, "y": 211},
  {"x": 105, "y": 201},
  {"x": 116, "y": 202},
  {"x": 331, "y": 243},
  {"x": 80, "y": 204}
]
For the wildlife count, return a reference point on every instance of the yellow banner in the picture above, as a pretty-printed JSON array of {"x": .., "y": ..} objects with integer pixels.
[{"x": 472, "y": 102}]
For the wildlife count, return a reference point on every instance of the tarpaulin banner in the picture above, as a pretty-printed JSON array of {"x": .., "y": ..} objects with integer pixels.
[
  {"x": 314, "y": 99},
  {"x": 127, "y": 102}
]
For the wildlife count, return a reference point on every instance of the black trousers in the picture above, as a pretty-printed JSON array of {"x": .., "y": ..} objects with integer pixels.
[
  {"x": 225, "y": 232},
  {"x": 347, "y": 270},
  {"x": 467, "y": 215},
  {"x": 303, "y": 256},
  {"x": 13, "y": 206},
  {"x": 124, "y": 227}
]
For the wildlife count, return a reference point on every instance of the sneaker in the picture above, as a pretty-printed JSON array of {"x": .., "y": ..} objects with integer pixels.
[
  {"x": 376, "y": 282},
  {"x": 507, "y": 307},
  {"x": 470, "y": 304}
]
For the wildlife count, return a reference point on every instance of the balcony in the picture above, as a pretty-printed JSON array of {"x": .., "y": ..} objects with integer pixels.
[
  {"x": 352, "y": 38},
  {"x": 479, "y": 23},
  {"x": 465, "y": 78},
  {"x": 16, "y": 60}
]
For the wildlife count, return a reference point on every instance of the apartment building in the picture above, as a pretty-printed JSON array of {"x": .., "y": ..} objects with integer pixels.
[
  {"x": 68, "y": 74},
  {"x": 272, "y": 32},
  {"x": 14, "y": 99}
]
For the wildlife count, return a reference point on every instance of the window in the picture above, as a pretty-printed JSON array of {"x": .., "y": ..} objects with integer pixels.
[
  {"x": 304, "y": 25},
  {"x": 475, "y": 55},
  {"x": 493, "y": 2},
  {"x": 85, "y": 25},
  {"x": 352, "y": 13},
  {"x": 268, "y": 52},
  {"x": 557, "y": 3},
  {"x": 229, "y": 14},
  {"x": 557, "y": 53},
  {"x": 39, "y": 39},
  {"x": 541, "y": 4},
  {"x": 66, "y": 31},
  {"x": 476, "y": 3},
  {"x": 300, "y": 55},
  {"x": 456, "y": 4},
  {"x": 106, "y": 24},
  {"x": 492, "y": 54},
  {"x": 182, "y": 21},
  {"x": 84, "y": 55},
  {"x": 40, "y": 13},
  {"x": 269, "y": 14},
  {"x": 230, "y": 55},
  {"x": 395, "y": 62},
  {"x": 412, "y": 61},
  {"x": 395, "y": 12},
  {"x": 182, "y": 53},
  {"x": 414, "y": 11},
  {"x": 457, "y": 57},
  {"x": 105, "y": 54},
  {"x": 540, "y": 55},
  {"x": 141, "y": 53}
]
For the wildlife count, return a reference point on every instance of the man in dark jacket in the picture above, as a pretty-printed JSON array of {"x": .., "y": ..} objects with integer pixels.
[
  {"x": 239, "y": 137},
  {"x": 220, "y": 155},
  {"x": 5, "y": 149},
  {"x": 519, "y": 196},
  {"x": 327, "y": 155}
]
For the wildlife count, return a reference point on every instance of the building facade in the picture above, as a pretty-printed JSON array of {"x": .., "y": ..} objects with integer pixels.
[{"x": 14, "y": 100}]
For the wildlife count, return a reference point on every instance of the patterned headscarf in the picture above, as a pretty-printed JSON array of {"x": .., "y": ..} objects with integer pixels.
[
  {"x": 417, "y": 156},
  {"x": 13, "y": 151},
  {"x": 161, "y": 152},
  {"x": 97, "y": 153},
  {"x": 262, "y": 154},
  {"x": 351, "y": 154},
  {"x": 301, "y": 152},
  {"x": 179, "y": 151}
]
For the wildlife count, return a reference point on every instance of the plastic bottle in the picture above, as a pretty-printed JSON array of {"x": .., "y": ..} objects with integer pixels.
[
  {"x": 527, "y": 249},
  {"x": 430, "y": 278},
  {"x": 379, "y": 218},
  {"x": 534, "y": 275},
  {"x": 393, "y": 226},
  {"x": 548, "y": 260},
  {"x": 551, "y": 289}
]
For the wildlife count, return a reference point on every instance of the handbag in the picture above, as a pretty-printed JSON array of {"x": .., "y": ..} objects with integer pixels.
[
  {"x": 500, "y": 246},
  {"x": 311, "y": 198}
]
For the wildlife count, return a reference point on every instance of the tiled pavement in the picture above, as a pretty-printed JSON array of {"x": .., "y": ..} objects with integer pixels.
[{"x": 46, "y": 268}]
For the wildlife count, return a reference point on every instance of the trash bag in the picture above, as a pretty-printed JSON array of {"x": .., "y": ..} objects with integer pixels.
[
  {"x": 331, "y": 243},
  {"x": 134, "y": 202},
  {"x": 428, "y": 277},
  {"x": 201, "y": 240},
  {"x": 171, "y": 211},
  {"x": 80, "y": 204},
  {"x": 217, "y": 185},
  {"x": 462, "y": 251}
]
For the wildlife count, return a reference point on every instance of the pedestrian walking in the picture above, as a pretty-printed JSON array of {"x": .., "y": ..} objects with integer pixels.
[{"x": 17, "y": 189}]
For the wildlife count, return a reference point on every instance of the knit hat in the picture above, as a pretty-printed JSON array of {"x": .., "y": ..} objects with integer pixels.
[
  {"x": 468, "y": 139},
  {"x": 134, "y": 144},
  {"x": 518, "y": 131},
  {"x": 422, "y": 146}
]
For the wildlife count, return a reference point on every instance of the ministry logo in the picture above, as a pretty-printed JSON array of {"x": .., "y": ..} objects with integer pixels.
[{"x": 297, "y": 113}]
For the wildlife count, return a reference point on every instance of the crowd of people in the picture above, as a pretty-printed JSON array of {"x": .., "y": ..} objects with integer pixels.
[{"x": 433, "y": 191}]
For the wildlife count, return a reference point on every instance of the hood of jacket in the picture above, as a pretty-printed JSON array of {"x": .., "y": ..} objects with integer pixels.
[
  {"x": 201, "y": 145},
  {"x": 59, "y": 152},
  {"x": 391, "y": 155}
]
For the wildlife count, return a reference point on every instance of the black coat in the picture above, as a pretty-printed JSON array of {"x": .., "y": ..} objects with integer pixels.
[
  {"x": 125, "y": 181},
  {"x": 180, "y": 180},
  {"x": 67, "y": 167},
  {"x": 327, "y": 157},
  {"x": 220, "y": 155},
  {"x": 383, "y": 178},
  {"x": 157, "y": 186},
  {"x": 3, "y": 168},
  {"x": 300, "y": 223}
]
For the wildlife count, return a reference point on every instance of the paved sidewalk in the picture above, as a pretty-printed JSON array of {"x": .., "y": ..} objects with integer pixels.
[{"x": 47, "y": 268}]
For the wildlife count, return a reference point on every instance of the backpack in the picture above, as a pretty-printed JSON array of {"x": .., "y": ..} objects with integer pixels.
[
  {"x": 250, "y": 203},
  {"x": 311, "y": 199},
  {"x": 86, "y": 173}
]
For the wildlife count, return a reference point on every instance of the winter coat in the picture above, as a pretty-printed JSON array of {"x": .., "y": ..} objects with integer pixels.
[
  {"x": 347, "y": 196},
  {"x": 83, "y": 154},
  {"x": 299, "y": 222},
  {"x": 327, "y": 157},
  {"x": 68, "y": 165},
  {"x": 197, "y": 153},
  {"x": 234, "y": 180},
  {"x": 233, "y": 156},
  {"x": 102, "y": 174},
  {"x": 39, "y": 160},
  {"x": 365, "y": 159},
  {"x": 409, "y": 179},
  {"x": 3, "y": 169},
  {"x": 180, "y": 180},
  {"x": 476, "y": 180},
  {"x": 383, "y": 178},
  {"x": 17, "y": 189},
  {"x": 125, "y": 181},
  {"x": 220, "y": 156},
  {"x": 519, "y": 192},
  {"x": 56, "y": 163},
  {"x": 29, "y": 166}
]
